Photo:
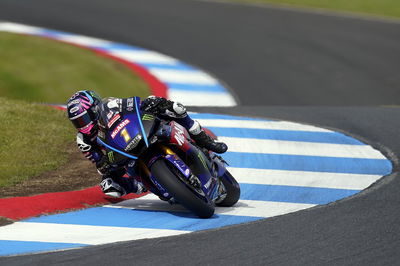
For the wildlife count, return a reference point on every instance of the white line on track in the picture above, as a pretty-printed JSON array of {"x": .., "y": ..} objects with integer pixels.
[
  {"x": 258, "y": 124},
  {"x": 195, "y": 98},
  {"x": 251, "y": 208},
  {"x": 19, "y": 28},
  {"x": 268, "y": 146},
  {"x": 303, "y": 178},
  {"x": 79, "y": 234},
  {"x": 83, "y": 40},
  {"x": 143, "y": 57},
  {"x": 262, "y": 208},
  {"x": 183, "y": 76},
  {"x": 94, "y": 235}
]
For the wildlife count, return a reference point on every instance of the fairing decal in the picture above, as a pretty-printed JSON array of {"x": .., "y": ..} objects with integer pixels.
[
  {"x": 137, "y": 103},
  {"x": 102, "y": 143}
]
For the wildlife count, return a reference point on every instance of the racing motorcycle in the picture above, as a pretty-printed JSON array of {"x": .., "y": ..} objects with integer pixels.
[{"x": 166, "y": 159}]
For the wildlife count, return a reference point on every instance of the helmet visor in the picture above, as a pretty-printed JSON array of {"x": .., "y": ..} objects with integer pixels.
[{"x": 82, "y": 120}]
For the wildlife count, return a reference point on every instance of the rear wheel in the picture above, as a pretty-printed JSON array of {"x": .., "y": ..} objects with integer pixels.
[
  {"x": 232, "y": 190},
  {"x": 180, "y": 191}
]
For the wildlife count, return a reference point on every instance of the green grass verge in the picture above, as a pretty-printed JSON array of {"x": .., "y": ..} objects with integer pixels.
[
  {"x": 33, "y": 139},
  {"x": 41, "y": 70},
  {"x": 389, "y": 8},
  {"x": 33, "y": 70}
]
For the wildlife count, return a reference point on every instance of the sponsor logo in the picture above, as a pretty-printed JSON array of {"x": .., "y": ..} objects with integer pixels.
[
  {"x": 74, "y": 109},
  {"x": 113, "y": 120},
  {"x": 101, "y": 134},
  {"x": 202, "y": 160},
  {"x": 110, "y": 114},
  {"x": 179, "y": 135},
  {"x": 207, "y": 185},
  {"x": 129, "y": 102},
  {"x": 111, "y": 156},
  {"x": 119, "y": 127},
  {"x": 147, "y": 117},
  {"x": 133, "y": 143}
]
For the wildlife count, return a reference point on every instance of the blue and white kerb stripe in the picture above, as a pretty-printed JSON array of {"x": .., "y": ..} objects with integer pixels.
[{"x": 282, "y": 167}]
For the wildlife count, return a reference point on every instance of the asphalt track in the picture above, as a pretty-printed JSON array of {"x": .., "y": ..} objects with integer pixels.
[{"x": 270, "y": 57}]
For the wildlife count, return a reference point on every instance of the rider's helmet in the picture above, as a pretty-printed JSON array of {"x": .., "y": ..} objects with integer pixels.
[{"x": 82, "y": 111}]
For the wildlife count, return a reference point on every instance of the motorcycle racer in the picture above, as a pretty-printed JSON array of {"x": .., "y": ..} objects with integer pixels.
[{"x": 83, "y": 112}]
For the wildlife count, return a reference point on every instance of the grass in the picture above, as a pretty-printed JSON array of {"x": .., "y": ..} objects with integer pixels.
[
  {"x": 389, "y": 8},
  {"x": 33, "y": 140},
  {"x": 34, "y": 137},
  {"x": 41, "y": 70}
]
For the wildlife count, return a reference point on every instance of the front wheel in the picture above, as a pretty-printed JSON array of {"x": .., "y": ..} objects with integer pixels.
[
  {"x": 181, "y": 192},
  {"x": 232, "y": 190}
]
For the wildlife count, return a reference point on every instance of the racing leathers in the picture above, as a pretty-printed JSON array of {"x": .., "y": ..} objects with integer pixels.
[{"x": 114, "y": 181}]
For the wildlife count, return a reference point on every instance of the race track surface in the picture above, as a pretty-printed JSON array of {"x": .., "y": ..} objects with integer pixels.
[{"x": 269, "y": 57}]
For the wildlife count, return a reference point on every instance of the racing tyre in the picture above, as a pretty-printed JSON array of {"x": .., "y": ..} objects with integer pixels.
[
  {"x": 232, "y": 190},
  {"x": 180, "y": 191}
]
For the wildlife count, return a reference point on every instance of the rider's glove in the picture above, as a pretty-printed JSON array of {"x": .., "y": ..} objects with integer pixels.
[
  {"x": 103, "y": 166},
  {"x": 154, "y": 104}
]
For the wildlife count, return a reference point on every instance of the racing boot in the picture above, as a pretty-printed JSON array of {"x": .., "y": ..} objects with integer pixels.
[
  {"x": 121, "y": 186},
  {"x": 112, "y": 188},
  {"x": 205, "y": 141}
]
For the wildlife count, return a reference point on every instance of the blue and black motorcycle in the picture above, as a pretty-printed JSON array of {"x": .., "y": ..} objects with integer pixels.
[{"x": 167, "y": 160}]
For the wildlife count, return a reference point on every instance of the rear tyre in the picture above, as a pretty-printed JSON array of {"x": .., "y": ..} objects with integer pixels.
[
  {"x": 232, "y": 190},
  {"x": 181, "y": 192}
]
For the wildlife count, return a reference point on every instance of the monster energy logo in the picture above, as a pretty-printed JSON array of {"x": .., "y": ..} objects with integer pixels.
[
  {"x": 110, "y": 156},
  {"x": 147, "y": 117},
  {"x": 202, "y": 160}
]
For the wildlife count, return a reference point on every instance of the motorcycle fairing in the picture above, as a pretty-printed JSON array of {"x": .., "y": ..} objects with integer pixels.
[
  {"x": 179, "y": 136},
  {"x": 199, "y": 165},
  {"x": 127, "y": 131},
  {"x": 130, "y": 125},
  {"x": 102, "y": 143}
]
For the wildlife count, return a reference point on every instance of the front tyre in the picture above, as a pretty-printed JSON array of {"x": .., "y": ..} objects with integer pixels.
[
  {"x": 181, "y": 192},
  {"x": 232, "y": 190}
]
